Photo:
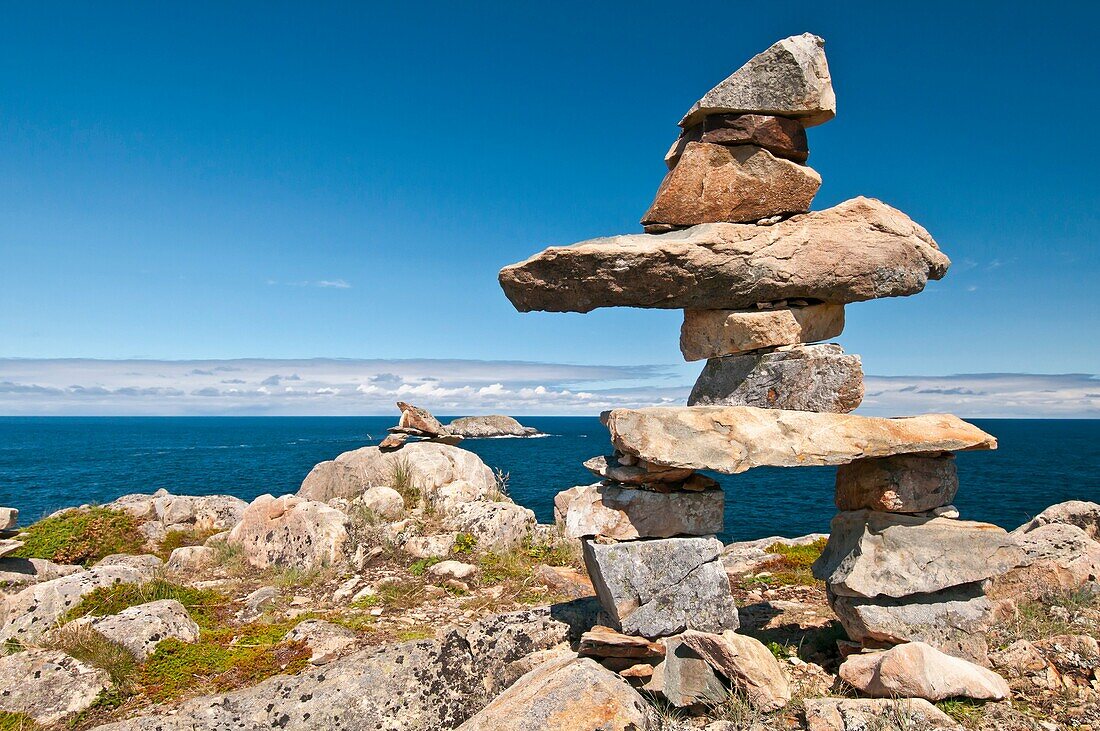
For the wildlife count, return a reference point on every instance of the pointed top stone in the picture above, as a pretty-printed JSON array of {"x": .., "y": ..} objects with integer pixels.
[{"x": 789, "y": 79}]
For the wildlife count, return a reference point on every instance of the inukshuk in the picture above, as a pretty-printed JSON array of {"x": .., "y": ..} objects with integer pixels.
[{"x": 729, "y": 239}]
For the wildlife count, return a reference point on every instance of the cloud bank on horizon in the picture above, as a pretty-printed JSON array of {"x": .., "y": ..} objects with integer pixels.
[{"x": 458, "y": 387}]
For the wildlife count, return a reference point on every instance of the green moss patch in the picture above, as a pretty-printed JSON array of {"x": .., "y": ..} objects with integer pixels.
[
  {"x": 204, "y": 605},
  {"x": 82, "y": 536},
  {"x": 791, "y": 565}
]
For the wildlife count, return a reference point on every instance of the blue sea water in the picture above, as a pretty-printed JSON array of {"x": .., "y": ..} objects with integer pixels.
[{"x": 47, "y": 463}]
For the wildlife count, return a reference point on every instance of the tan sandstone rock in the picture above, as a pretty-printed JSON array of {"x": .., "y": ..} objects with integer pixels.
[
  {"x": 733, "y": 439},
  {"x": 290, "y": 532},
  {"x": 747, "y": 664},
  {"x": 715, "y": 333},
  {"x": 429, "y": 467},
  {"x": 789, "y": 79},
  {"x": 858, "y": 250},
  {"x": 916, "y": 670},
  {"x": 739, "y": 184},
  {"x": 1080, "y": 513},
  {"x": 626, "y": 514},
  {"x": 907, "y": 483},
  {"x": 635, "y": 472},
  {"x": 566, "y": 695}
]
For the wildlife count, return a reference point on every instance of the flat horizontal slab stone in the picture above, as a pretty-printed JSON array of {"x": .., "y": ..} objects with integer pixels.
[
  {"x": 627, "y": 513},
  {"x": 780, "y": 136},
  {"x": 798, "y": 378},
  {"x": 953, "y": 621},
  {"x": 717, "y": 333},
  {"x": 605, "y": 642},
  {"x": 858, "y": 250},
  {"x": 790, "y": 79},
  {"x": 873, "y": 554},
  {"x": 739, "y": 184},
  {"x": 634, "y": 471},
  {"x": 907, "y": 483},
  {"x": 661, "y": 587},
  {"x": 732, "y": 439}
]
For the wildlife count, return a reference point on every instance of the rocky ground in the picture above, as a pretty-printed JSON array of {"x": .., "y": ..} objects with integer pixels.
[{"x": 433, "y": 601}]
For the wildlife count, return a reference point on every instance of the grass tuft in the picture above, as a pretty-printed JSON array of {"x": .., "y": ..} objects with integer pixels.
[
  {"x": 17, "y": 722},
  {"x": 82, "y": 536},
  {"x": 791, "y": 565},
  {"x": 87, "y": 645},
  {"x": 204, "y": 605}
]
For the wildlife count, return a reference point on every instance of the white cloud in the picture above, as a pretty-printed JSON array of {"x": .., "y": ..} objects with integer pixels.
[{"x": 458, "y": 387}]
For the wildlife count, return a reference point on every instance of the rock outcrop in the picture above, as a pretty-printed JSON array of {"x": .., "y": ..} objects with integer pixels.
[
  {"x": 495, "y": 425},
  {"x": 47, "y": 685},
  {"x": 141, "y": 628},
  {"x": 290, "y": 531}
]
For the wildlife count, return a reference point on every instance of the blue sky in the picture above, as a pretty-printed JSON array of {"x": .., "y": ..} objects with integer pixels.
[{"x": 290, "y": 181}]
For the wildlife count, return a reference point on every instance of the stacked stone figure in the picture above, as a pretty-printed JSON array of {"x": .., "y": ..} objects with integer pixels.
[
  {"x": 419, "y": 424},
  {"x": 729, "y": 240}
]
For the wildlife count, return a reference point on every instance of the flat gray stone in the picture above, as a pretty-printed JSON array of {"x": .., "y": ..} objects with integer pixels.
[
  {"x": 858, "y": 250},
  {"x": 862, "y": 714},
  {"x": 801, "y": 378},
  {"x": 953, "y": 621},
  {"x": 716, "y": 333},
  {"x": 625, "y": 514},
  {"x": 871, "y": 553},
  {"x": 661, "y": 587},
  {"x": 788, "y": 79}
]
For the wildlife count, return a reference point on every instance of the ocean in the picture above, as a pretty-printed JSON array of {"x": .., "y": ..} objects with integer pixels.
[{"x": 47, "y": 463}]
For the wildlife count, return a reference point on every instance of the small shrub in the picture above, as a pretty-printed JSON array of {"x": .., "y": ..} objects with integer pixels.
[
  {"x": 87, "y": 645},
  {"x": 499, "y": 493},
  {"x": 781, "y": 652},
  {"x": 966, "y": 712},
  {"x": 204, "y": 605},
  {"x": 82, "y": 536},
  {"x": 464, "y": 544},
  {"x": 402, "y": 478},
  {"x": 419, "y": 568},
  {"x": 180, "y": 539}
]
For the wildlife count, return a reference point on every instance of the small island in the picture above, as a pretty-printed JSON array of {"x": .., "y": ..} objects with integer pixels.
[{"x": 494, "y": 425}]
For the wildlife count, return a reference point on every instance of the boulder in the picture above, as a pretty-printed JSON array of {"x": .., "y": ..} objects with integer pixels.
[
  {"x": 141, "y": 628},
  {"x": 685, "y": 679},
  {"x": 631, "y": 471},
  {"x": 907, "y": 483},
  {"x": 565, "y": 582},
  {"x": 418, "y": 419},
  {"x": 1065, "y": 546},
  {"x": 712, "y": 183},
  {"x": 855, "y": 251},
  {"x": 954, "y": 621},
  {"x": 917, "y": 670},
  {"x": 9, "y": 518},
  {"x": 799, "y": 378},
  {"x": 1080, "y": 513},
  {"x": 452, "y": 570},
  {"x": 290, "y": 532},
  {"x": 789, "y": 79},
  {"x": 716, "y": 333},
  {"x": 661, "y": 587},
  {"x": 780, "y": 136},
  {"x": 433, "y": 546},
  {"x": 747, "y": 664},
  {"x": 862, "y": 714},
  {"x": 733, "y": 439},
  {"x": 18, "y": 572},
  {"x": 384, "y": 502},
  {"x": 423, "y": 685},
  {"x": 191, "y": 558},
  {"x": 393, "y": 442},
  {"x": 325, "y": 640},
  {"x": 624, "y": 514},
  {"x": 872, "y": 553},
  {"x": 38, "y": 608},
  {"x": 426, "y": 465},
  {"x": 497, "y": 526},
  {"x": 567, "y": 695},
  {"x": 495, "y": 425},
  {"x": 48, "y": 685}
]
